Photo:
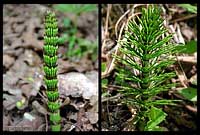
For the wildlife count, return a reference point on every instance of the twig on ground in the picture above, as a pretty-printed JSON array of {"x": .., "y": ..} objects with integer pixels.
[
  {"x": 111, "y": 66},
  {"x": 116, "y": 25},
  {"x": 46, "y": 120},
  {"x": 106, "y": 27},
  {"x": 183, "y": 18},
  {"x": 111, "y": 98},
  {"x": 188, "y": 59},
  {"x": 191, "y": 108},
  {"x": 181, "y": 75}
]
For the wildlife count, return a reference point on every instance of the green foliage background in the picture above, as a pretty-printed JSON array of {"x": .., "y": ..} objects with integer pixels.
[{"x": 76, "y": 46}]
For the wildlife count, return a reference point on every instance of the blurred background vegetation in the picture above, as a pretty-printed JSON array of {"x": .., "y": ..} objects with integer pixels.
[{"x": 77, "y": 46}]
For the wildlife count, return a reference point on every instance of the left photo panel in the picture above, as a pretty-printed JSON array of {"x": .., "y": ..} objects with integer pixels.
[{"x": 50, "y": 67}]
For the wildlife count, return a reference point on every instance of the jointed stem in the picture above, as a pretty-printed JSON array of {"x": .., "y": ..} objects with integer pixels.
[{"x": 50, "y": 69}]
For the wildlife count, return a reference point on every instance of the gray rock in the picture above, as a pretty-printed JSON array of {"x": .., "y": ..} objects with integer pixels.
[{"x": 77, "y": 85}]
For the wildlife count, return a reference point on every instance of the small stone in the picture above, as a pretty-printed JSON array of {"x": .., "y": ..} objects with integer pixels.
[
  {"x": 76, "y": 85},
  {"x": 8, "y": 60},
  {"x": 92, "y": 116}
]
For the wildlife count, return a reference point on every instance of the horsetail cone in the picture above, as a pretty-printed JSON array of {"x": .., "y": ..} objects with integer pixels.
[{"x": 50, "y": 68}]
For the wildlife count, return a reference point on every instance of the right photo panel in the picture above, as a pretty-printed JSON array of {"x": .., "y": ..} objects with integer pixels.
[{"x": 148, "y": 67}]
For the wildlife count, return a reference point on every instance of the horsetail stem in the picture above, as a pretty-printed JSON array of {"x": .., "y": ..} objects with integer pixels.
[
  {"x": 145, "y": 50},
  {"x": 50, "y": 69}
]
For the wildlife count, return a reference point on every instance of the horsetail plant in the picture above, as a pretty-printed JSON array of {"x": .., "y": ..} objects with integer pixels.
[
  {"x": 50, "y": 68},
  {"x": 141, "y": 69}
]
